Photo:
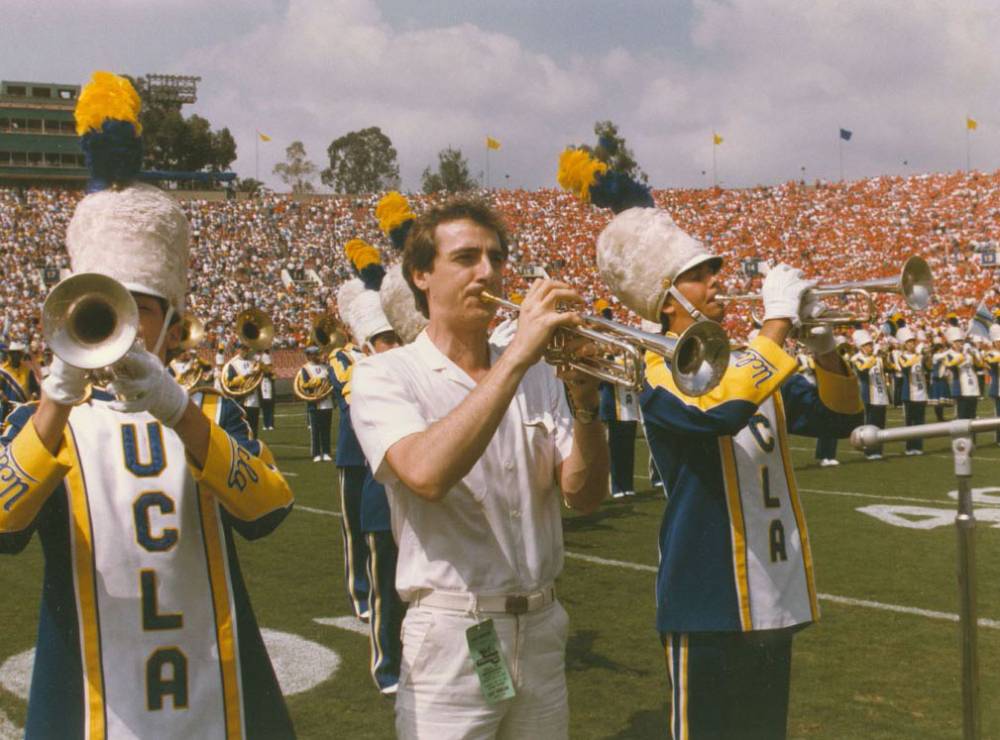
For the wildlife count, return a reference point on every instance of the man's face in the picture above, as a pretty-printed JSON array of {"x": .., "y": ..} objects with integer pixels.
[
  {"x": 151, "y": 318},
  {"x": 699, "y": 285},
  {"x": 469, "y": 260},
  {"x": 911, "y": 344},
  {"x": 867, "y": 349}
]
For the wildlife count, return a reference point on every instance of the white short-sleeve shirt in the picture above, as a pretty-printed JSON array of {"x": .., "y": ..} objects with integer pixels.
[{"x": 498, "y": 531}]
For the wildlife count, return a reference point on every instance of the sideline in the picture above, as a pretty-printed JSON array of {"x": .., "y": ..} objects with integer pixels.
[{"x": 833, "y": 598}]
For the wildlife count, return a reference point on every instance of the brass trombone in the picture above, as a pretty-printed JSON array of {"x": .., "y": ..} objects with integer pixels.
[
  {"x": 698, "y": 358},
  {"x": 90, "y": 321},
  {"x": 328, "y": 333},
  {"x": 915, "y": 284}
]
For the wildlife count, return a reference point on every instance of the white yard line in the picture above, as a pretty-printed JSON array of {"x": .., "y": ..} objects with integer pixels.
[
  {"x": 877, "y": 497},
  {"x": 846, "y": 600}
]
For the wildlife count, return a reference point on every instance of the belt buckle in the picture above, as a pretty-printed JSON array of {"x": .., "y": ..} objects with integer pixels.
[{"x": 516, "y": 605}]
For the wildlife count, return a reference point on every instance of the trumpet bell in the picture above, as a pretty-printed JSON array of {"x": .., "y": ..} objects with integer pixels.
[
  {"x": 917, "y": 283},
  {"x": 701, "y": 357},
  {"x": 90, "y": 320},
  {"x": 328, "y": 333},
  {"x": 255, "y": 329},
  {"x": 192, "y": 332}
]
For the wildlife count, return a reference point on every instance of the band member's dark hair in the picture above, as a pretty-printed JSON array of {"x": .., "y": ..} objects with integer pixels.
[{"x": 421, "y": 249}]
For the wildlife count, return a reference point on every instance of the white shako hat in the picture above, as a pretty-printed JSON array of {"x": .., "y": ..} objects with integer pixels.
[
  {"x": 640, "y": 254},
  {"x": 995, "y": 332},
  {"x": 361, "y": 310},
  {"x": 17, "y": 346},
  {"x": 137, "y": 235},
  {"x": 954, "y": 334},
  {"x": 905, "y": 334},
  {"x": 861, "y": 337},
  {"x": 399, "y": 305}
]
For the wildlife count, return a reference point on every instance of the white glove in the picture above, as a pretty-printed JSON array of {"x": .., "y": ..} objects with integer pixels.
[
  {"x": 66, "y": 385},
  {"x": 819, "y": 340},
  {"x": 782, "y": 291},
  {"x": 142, "y": 383}
]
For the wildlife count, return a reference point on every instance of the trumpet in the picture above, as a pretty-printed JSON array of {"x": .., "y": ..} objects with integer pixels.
[
  {"x": 90, "y": 321},
  {"x": 915, "y": 284},
  {"x": 698, "y": 358}
]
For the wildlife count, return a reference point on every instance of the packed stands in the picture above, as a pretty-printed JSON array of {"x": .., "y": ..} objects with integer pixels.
[{"x": 242, "y": 248}]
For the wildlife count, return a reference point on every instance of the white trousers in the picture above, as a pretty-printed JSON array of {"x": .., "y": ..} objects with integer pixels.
[{"x": 439, "y": 695}]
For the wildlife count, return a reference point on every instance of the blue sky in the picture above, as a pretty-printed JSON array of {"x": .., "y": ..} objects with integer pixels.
[{"x": 775, "y": 78}]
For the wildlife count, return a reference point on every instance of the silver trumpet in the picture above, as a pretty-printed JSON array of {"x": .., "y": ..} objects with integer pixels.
[
  {"x": 915, "y": 284},
  {"x": 698, "y": 358},
  {"x": 90, "y": 321}
]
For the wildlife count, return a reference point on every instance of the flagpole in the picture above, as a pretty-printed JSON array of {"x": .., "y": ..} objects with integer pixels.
[
  {"x": 256, "y": 156},
  {"x": 967, "y": 129},
  {"x": 715, "y": 179},
  {"x": 840, "y": 147},
  {"x": 487, "y": 166}
]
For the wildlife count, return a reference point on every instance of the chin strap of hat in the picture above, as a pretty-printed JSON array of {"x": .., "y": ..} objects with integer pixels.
[
  {"x": 688, "y": 306},
  {"x": 163, "y": 330}
]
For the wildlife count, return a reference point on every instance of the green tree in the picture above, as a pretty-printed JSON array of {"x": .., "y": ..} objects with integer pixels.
[
  {"x": 296, "y": 171},
  {"x": 362, "y": 162},
  {"x": 173, "y": 142},
  {"x": 249, "y": 185},
  {"x": 452, "y": 175},
  {"x": 612, "y": 150}
]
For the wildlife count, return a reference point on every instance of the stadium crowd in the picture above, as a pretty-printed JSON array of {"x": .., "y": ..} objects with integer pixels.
[{"x": 284, "y": 254}]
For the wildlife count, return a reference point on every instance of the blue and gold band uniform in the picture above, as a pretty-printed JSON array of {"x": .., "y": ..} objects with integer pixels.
[
  {"x": 619, "y": 410},
  {"x": 17, "y": 385},
  {"x": 914, "y": 394},
  {"x": 964, "y": 383},
  {"x": 874, "y": 392},
  {"x": 237, "y": 371},
  {"x": 320, "y": 413},
  {"x": 734, "y": 551},
  {"x": 145, "y": 620},
  {"x": 992, "y": 360},
  {"x": 351, "y": 463}
]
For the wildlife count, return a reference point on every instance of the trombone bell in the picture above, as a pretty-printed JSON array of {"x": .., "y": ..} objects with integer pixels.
[{"x": 90, "y": 321}]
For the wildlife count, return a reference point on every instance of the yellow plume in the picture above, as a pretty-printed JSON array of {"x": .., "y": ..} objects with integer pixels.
[
  {"x": 362, "y": 254},
  {"x": 107, "y": 96},
  {"x": 578, "y": 171},
  {"x": 392, "y": 211},
  {"x": 600, "y": 304}
]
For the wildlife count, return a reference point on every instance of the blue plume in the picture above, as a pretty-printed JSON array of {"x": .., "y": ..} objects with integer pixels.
[
  {"x": 398, "y": 235},
  {"x": 619, "y": 192},
  {"x": 372, "y": 276},
  {"x": 112, "y": 155}
]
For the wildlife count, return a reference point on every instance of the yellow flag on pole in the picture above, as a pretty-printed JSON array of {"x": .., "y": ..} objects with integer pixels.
[
  {"x": 492, "y": 143},
  {"x": 263, "y": 137},
  {"x": 716, "y": 139},
  {"x": 971, "y": 123}
]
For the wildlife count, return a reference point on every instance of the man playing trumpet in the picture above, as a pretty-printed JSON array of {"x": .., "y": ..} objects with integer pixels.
[
  {"x": 477, "y": 447},
  {"x": 735, "y": 579}
]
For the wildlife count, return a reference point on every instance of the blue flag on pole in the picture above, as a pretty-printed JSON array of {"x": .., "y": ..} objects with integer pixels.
[{"x": 845, "y": 134}]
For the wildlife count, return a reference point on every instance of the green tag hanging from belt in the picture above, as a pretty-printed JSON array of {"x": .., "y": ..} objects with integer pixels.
[{"x": 488, "y": 660}]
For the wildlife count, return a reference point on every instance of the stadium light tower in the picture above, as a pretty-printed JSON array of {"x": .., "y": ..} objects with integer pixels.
[{"x": 172, "y": 89}]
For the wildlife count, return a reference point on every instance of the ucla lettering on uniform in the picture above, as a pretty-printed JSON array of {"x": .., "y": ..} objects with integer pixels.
[
  {"x": 240, "y": 470},
  {"x": 157, "y": 457},
  {"x": 13, "y": 481},
  {"x": 765, "y": 486},
  {"x": 760, "y": 428},
  {"x": 777, "y": 532},
  {"x": 175, "y": 685},
  {"x": 144, "y": 527},
  {"x": 763, "y": 370},
  {"x": 152, "y": 620}
]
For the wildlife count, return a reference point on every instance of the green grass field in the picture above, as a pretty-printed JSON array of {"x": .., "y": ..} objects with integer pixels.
[{"x": 882, "y": 663}]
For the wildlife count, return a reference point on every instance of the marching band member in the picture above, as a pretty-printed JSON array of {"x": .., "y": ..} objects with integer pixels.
[
  {"x": 736, "y": 577},
  {"x": 992, "y": 360},
  {"x": 320, "y": 412},
  {"x": 146, "y": 628},
  {"x": 940, "y": 377},
  {"x": 237, "y": 372},
  {"x": 367, "y": 321},
  {"x": 826, "y": 444},
  {"x": 868, "y": 366},
  {"x": 18, "y": 383},
  {"x": 914, "y": 386},
  {"x": 219, "y": 366},
  {"x": 182, "y": 364},
  {"x": 964, "y": 384},
  {"x": 267, "y": 393},
  {"x": 619, "y": 411},
  {"x": 473, "y": 445}
]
